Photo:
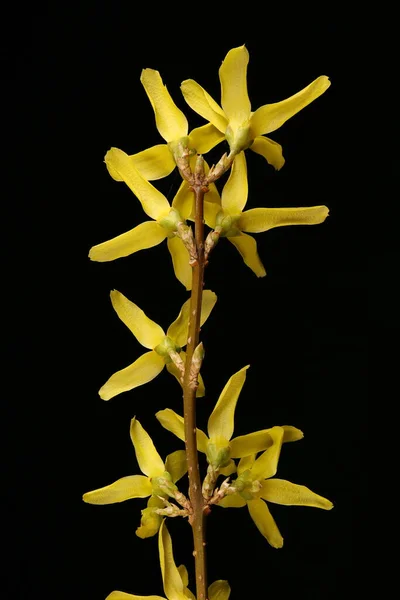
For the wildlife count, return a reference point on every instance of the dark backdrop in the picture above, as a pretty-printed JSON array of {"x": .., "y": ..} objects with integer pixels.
[{"x": 74, "y": 78}]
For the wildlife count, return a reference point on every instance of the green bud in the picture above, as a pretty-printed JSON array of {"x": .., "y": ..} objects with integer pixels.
[
  {"x": 217, "y": 455},
  {"x": 166, "y": 346},
  {"x": 239, "y": 139}
]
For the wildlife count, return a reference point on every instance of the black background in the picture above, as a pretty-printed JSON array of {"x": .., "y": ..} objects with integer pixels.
[{"x": 74, "y": 83}]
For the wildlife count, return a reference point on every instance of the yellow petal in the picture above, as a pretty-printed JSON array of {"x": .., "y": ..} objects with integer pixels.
[
  {"x": 153, "y": 163},
  {"x": 202, "y": 103},
  {"x": 246, "y": 463},
  {"x": 171, "y": 122},
  {"x": 133, "y": 486},
  {"x": 257, "y": 220},
  {"x": 154, "y": 203},
  {"x": 183, "y": 572},
  {"x": 233, "y": 76},
  {"x": 175, "y": 424},
  {"x": 150, "y": 521},
  {"x": 291, "y": 434},
  {"x": 143, "y": 370},
  {"x": 219, "y": 590},
  {"x": 124, "y": 596},
  {"x": 180, "y": 260},
  {"x": 232, "y": 501},
  {"x": 261, "y": 516},
  {"x": 149, "y": 461},
  {"x": 176, "y": 465},
  {"x": 143, "y": 236},
  {"x": 270, "y": 117},
  {"x": 146, "y": 331},
  {"x": 178, "y": 330},
  {"x": 204, "y": 138},
  {"x": 211, "y": 211},
  {"x": 270, "y": 150},
  {"x": 247, "y": 248},
  {"x": 183, "y": 200},
  {"x": 244, "y": 445},
  {"x": 266, "y": 465},
  {"x": 234, "y": 194},
  {"x": 229, "y": 469},
  {"x": 173, "y": 586},
  {"x": 280, "y": 491},
  {"x": 221, "y": 422}
]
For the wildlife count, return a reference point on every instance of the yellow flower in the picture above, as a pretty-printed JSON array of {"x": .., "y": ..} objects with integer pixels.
[
  {"x": 175, "y": 579},
  {"x": 218, "y": 445},
  {"x": 152, "y": 336},
  {"x": 149, "y": 233},
  {"x": 243, "y": 128},
  {"x": 158, "y": 161},
  {"x": 254, "y": 485},
  {"x": 232, "y": 222},
  {"x": 142, "y": 486}
]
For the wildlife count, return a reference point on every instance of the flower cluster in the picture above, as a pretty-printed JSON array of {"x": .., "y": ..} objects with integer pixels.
[{"x": 248, "y": 462}]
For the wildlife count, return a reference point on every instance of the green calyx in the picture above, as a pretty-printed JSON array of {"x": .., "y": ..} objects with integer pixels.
[
  {"x": 163, "y": 485},
  {"x": 218, "y": 455},
  {"x": 170, "y": 222},
  {"x": 246, "y": 486},
  {"x": 180, "y": 147},
  {"x": 166, "y": 347},
  {"x": 239, "y": 139},
  {"x": 227, "y": 224}
]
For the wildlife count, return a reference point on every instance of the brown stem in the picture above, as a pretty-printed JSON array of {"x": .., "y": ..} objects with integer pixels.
[{"x": 197, "y": 518}]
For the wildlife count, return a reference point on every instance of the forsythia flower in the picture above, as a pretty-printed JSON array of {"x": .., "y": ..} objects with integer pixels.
[
  {"x": 175, "y": 579},
  {"x": 152, "y": 336},
  {"x": 218, "y": 445},
  {"x": 158, "y": 161},
  {"x": 243, "y": 128},
  {"x": 232, "y": 222},
  {"x": 254, "y": 485},
  {"x": 149, "y": 233},
  {"x": 142, "y": 486}
]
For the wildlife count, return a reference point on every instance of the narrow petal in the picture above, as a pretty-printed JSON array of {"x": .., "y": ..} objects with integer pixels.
[
  {"x": 211, "y": 211},
  {"x": 143, "y": 370},
  {"x": 204, "y": 138},
  {"x": 233, "y": 77},
  {"x": 270, "y": 117},
  {"x": 257, "y": 220},
  {"x": 133, "y": 486},
  {"x": 146, "y": 331},
  {"x": 150, "y": 521},
  {"x": 252, "y": 443},
  {"x": 232, "y": 501},
  {"x": 247, "y": 248},
  {"x": 178, "y": 330},
  {"x": 183, "y": 572},
  {"x": 154, "y": 203},
  {"x": 145, "y": 235},
  {"x": 124, "y": 596},
  {"x": 291, "y": 434},
  {"x": 221, "y": 422},
  {"x": 270, "y": 150},
  {"x": 183, "y": 200},
  {"x": 153, "y": 163},
  {"x": 261, "y": 516},
  {"x": 267, "y": 464},
  {"x": 246, "y": 463},
  {"x": 180, "y": 260},
  {"x": 280, "y": 491},
  {"x": 175, "y": 424},
  {"x": 171, "y": 122},
  {"x": 235, "y": 192},
  {"x": 219, "y": 590},
  {"x": 229, "y": 469},
  {"x": 149, "y": 461},
  {"x": 173, "y": 586},
  {"x": 202, "y": 103},
  {"x": 176, "y": 464}
]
